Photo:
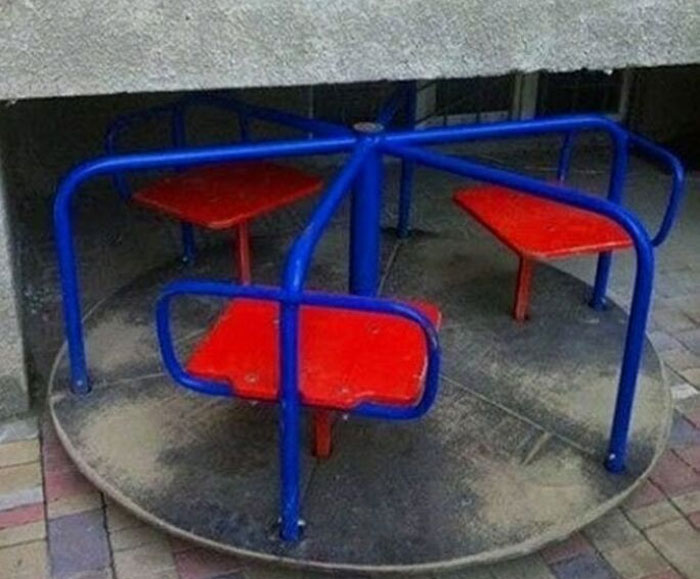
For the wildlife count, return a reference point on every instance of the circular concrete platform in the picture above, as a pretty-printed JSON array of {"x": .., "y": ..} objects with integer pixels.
[{"x": 508, "y": 460}]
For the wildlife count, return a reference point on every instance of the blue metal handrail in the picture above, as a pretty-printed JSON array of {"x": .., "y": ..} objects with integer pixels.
[
  {"x": 109, "y": 165},
  {"x": 226, "y": 289},
  {"x": 176, "y": 112},
  {"x": 648, "y": 149},
  {"x": 634, "y": 342},
  {"x": 363, "y": 171},
  {"x": 289, "y": 395}
]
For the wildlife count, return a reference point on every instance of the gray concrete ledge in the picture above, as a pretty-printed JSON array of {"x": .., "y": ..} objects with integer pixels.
[{"x": 78, "y": 47}]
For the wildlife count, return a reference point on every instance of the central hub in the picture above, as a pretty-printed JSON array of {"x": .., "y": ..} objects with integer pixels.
[{"x": 368, "y": 127}]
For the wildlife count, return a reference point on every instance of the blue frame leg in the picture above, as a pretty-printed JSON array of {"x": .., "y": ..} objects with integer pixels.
[
  {"x": 602, "y": 275},
  {"x": 407, "y": 170},
  {"x": 631, "y": 361},
  {"x": 365, "y": 227},
  {"x": 189, "y": 247},
  {"x": 290, "y": 528}
]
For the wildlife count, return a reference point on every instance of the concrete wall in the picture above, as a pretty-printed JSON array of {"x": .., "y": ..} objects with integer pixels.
[
  {"x": 13, "y": 379},
  {"x": 78, "y": 47}
]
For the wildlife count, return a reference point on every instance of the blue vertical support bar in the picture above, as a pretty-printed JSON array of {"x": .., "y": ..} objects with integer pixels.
[
  {"x": 615, "y": 190},
  {"x": 407, "y": 167},
  {"x": 68, "y": 271},
  {"x": 289, "y": 421},
  {"x": 179, "y": 137},
  {"x": 365, "y": 222},
  {"x": 634, "y": 346},
  {"x": 567, "y": 150}
]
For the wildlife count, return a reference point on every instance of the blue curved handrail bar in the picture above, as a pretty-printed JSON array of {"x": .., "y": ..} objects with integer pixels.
[
  {"x": 299, "y": 257},
  {"x": 634, "y": 342},
  {"x": 223, "y": 289},
  {"x": 69, "y": 186},
  {"x": 177, "y": 109}
]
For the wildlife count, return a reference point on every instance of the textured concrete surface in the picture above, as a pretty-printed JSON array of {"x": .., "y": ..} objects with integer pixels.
[
  {"x": 78, "y": 47},
  {"x": 14, "y": 397},
  {"x": 517, "y": 432}
]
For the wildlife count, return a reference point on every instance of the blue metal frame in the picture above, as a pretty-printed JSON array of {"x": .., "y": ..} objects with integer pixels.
[
  {"x": 177, "y": 111},
  {"x": 365, "y": 165}
]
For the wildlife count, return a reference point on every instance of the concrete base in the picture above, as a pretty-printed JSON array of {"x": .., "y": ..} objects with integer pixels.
[{"x": 509, "y": 459}]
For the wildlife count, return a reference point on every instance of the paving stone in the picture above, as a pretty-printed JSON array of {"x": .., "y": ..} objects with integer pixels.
[
  {"x": 694, "y": 519},
  {"x": 668, "y": 574},
  {"x": 19, "y": 452},
  {"x": 575, "y": 545},
  {"x": 663, "y": 341},
  {"x": 201, "y": 563},
  {"x": 119, "y": 519},
  {"x": 178, "y": 545},
  {"x": 55, "y": 457},
  {"x": 20, "y": 429},
  {"x": 681, "y": 359},
  {"x": 134, "y": 537},
  {"x": 26, "y": 533},
  {"x": 21, "y": 497},
  {"x": 636, "y": 561},
  {"x": 691, "y": 340},
  {"x": 672, "y": 320},
  {"x": 269, "y": 572},
  {"x": 673, "y": 476},
  {"x": 74, "y": 504},
  {"x": 99, "y": 574},
  {"x": 530, "y": 567},
  {"x": 613, "y": 531},
  {"x": 683, "y": 433},
  {"x": 144, "y": 562},
  {"x": 21, "y": 477},
  {"x": 682, "y": 391},
  {"x": 687, "y": 503},
  {"x": 673, "y": 378},
  {"x": 584, "y": 566},
  {"x": 692, "y": 375},
  {"x": 692, "y": 414},
  {"x": 680, "y": 544},
  {"x": 26, "y": 561},
  {"x": 66, "y": 483},
  {"x": 690, "y": 456},
  {"x": 647, "y": 493},
  {"x": 652, "y": 515},
  {"x": 21, "y": 515},
  {"x": 78, "y": 543}
]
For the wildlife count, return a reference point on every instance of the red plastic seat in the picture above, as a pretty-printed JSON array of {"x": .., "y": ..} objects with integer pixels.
[
  {"x": 346, "y": 357},
  {"x": 221, "y": 196},
  {"x": 228, "y": 195},
  {"x": 539, "y": 229}
]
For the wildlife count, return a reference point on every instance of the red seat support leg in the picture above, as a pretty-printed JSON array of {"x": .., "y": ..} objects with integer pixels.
[
  {"x": 242, "y": 251},
  {"x": 522, "y": 289},
  {"x": 322, "y": 442}
]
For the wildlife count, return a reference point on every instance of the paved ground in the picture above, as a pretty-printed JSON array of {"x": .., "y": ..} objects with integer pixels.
[{"x": 54, "y": 524}]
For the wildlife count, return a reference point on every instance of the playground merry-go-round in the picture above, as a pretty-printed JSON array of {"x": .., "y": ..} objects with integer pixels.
[{"x": 352, "y": 398}]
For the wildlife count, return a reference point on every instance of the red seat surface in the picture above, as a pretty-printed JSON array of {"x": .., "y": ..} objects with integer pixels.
[
  {"x": 539, "y": 228},
  {"x": 221, "y": 196},
  {"x": 346, "y": 357}
]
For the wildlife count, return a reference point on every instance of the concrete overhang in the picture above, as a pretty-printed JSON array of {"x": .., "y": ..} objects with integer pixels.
[{"x": 78, "y": 47}]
